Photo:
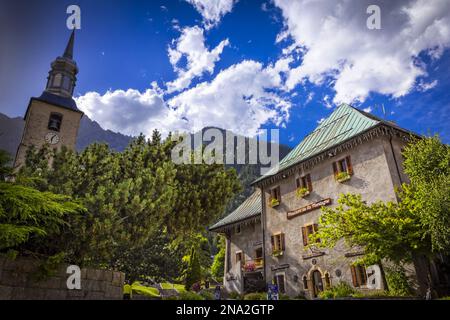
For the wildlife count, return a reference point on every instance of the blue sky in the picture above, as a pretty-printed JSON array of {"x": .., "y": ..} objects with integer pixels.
[{"x": 241, "y": 65}]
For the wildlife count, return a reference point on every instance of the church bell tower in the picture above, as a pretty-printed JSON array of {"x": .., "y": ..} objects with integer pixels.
[{"x": 53, "y": 118}]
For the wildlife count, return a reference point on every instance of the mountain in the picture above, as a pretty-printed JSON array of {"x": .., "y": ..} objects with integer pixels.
[{"x": 90, "y": 131}]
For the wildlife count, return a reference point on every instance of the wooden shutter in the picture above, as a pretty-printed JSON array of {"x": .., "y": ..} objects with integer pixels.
[
  {"x": 282, "y": 242},
  {"x": 272, "y": 240},
  {"x": 308, "y": 179},
  {"x": 335, "y": 169},
  {"x": 354, "y": 279},
  {"x": 363, "y": 275},
  {"x": 279, "y": 193},
  {"x": 349, "y": 165},
  {"x": 297, "y": 182},
  {"x": 305, "y": 236}
]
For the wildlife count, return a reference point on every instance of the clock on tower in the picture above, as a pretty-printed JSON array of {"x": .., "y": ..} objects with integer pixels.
[{"x": 53, "y": 118}]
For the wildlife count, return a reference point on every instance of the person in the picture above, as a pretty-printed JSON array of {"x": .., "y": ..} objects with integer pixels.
[
  {"x": 217, "y": 293},
  {"x": 127, "y": 291}
]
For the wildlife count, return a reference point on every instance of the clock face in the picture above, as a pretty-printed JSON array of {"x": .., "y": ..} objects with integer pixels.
[{"x": 52, "y": 138}]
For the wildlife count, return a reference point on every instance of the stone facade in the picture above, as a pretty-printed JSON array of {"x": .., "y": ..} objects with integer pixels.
[
  {"x": 18, "y": 282},
  {"x": 374, "y": 177},
  {"x": 36, "y": 128}
]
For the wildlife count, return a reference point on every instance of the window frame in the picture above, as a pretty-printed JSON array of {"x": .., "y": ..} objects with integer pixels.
[
  {"x": 306, "y": 232},
  {"x": 304, "y": 182},
  {"x": 278, "y": 242},
  {"x": 59, "y": 121},
  {"x": 359, "y": 275},
  {"x": 277, "y": 282}
]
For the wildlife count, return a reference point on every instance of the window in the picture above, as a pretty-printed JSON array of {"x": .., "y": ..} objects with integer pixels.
[
  {"x": 238, "y": 229},
  {"x": 277, "y": 244},
  {"x": 359, "y": 275},
  {"x": 275, "y": 196},
  {"x": 57, "y": 80},
  {"x": 66, "y": 83},
  {"x": 278, "y": 280},
  {"x": 307, "y": 231},
  {"x": 240, "y": 257},
  {"x": 54, "y": 123},
  {"x": 305, "y": 282},
  {"x": 343, "y": 168},
  {"x": 305, "y": 182},
  {"x": 259, "y": 253}
]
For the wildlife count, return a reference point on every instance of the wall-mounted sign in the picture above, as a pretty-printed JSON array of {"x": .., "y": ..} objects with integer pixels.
[{"x": 308, "y": 208}]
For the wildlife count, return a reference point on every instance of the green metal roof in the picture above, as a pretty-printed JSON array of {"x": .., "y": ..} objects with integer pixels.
[
  {"x": 250, "y": 208},
  {"x": 344, "y": 123}
]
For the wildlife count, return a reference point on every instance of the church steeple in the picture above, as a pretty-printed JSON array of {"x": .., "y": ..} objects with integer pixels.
[{"x": 62, "y": 76}]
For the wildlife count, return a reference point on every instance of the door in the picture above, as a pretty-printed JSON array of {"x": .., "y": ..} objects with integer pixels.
[{"x": 317, "y": 284}]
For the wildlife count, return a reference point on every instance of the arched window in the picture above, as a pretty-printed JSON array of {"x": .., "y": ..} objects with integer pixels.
[
  {"x": 57, "y": 80},
  {"x": 305, "y": 282},
  {"x": 54, "y": 123}
]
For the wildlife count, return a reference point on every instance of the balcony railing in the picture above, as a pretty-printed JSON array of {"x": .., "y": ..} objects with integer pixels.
[{"x": 253, "y": 265}]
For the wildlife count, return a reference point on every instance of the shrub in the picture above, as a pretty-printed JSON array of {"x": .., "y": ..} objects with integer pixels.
[
  {"x": 189, "y": 295},
  {"x": 341, "y": 290},
  {"x": 284, "y": 297},
  {"x": 207, "y": 295},
  {"x": 302, "y": 192},
  {"x": 256, "y": 296},
  {"x": 397, "y": 281},
  {"x": 234, "y": 295}
]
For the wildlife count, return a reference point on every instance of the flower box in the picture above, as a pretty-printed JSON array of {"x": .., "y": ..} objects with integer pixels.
[
  {"x": 302, "y": 192},
  {"x": 277, "y": 253},
  {"x": 274, "y": 202},
  {"x": 342, "y": 177}
]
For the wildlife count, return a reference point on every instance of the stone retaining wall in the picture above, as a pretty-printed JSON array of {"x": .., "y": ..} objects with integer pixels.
[{"x": 18, "y": 282}]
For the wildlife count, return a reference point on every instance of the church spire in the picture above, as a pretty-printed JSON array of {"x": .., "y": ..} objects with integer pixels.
[
  {"x": 68, "y": 53},
  {"x": 62, "y": 76}
]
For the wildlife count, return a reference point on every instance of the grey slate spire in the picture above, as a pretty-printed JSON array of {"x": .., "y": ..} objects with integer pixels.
[{"x": 68, "y": 53}]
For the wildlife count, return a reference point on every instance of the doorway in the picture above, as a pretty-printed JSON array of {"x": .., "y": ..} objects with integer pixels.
[{"x": 317, "y": 284}]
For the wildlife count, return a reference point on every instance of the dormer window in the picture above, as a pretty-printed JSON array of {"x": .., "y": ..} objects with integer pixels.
[{"x": 54, "y": 123}]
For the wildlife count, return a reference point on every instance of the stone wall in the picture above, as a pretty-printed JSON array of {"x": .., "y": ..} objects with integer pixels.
[{"x": 18, "y": 282}]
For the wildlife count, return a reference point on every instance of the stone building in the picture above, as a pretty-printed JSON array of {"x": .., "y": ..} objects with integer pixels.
[
  {"x": 53, "y": 118},
  {"x": 350, "y": 152}
]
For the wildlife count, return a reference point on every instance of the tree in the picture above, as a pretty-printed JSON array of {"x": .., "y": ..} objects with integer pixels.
[
  {"x": 193, "y": 272},
  {"x": 415, "y": 227},
  {"x": 30, "y": 220},
  {"x": 131, "y": 197},
  {"x": 5, "y": 169},
  {"x": 218, "y": 266}
]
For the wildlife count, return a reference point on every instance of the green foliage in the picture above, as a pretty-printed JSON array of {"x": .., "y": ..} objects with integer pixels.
[
  {"x": 218, "y": 265},
  {"x": 284, "y": 297},
  {"x": 341, "y": 290},
  {"x": 398, "y": 282},
  {"x": 5, "y": 169},
  {"x": 189, "y": 295},
  {"x": 342, "y": 176},
  {"x": 302, "y": 192},
  {"x": 137, "y": 201},
  {"x": 256, "y": 296},
  {"x": 31, "y": 220},
  {"x": 152, "y": 292},
  {"x": 207, "y": 295},
  {"x": 234, "y": 295},
  {"x": 193, "y": 272}
]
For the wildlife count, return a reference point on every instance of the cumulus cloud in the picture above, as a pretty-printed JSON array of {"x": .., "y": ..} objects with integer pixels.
[
  {"x": 241, "y": 98},
  {"x": 337, "y": 44},
  {"x": 191, "y": 45},
  {"x": 212, "y": 11}
]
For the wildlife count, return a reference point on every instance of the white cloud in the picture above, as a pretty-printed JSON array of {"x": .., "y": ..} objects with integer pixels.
[
  {"x": 191, "y": 44},
  {"x": 129, "y": 112},
  {"x": 212, "y": 11},
  {"x": 338, "y": 45},
  {"x": 425, "y": 86},
  {"x": 240, "y": 98},
  {"x": 368, "y": 109}
]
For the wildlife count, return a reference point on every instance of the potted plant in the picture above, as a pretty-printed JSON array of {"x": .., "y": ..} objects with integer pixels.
[
  {"x": 249, "y": 267},
  {"x": 274, "y": 202},
  {"x": 277, "y": 253},
  {"x": 302, "y": 192},
  {"x": 342, "y": 176}
]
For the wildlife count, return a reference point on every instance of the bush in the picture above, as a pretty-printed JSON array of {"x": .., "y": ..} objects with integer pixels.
[
  {"x": 284, "y": 297},
  {"x": 234, "y": 295},
  {"x": 207, "y": 295},
  {"x": 189, "y": 295},
  {"x": 397, "y": 281},
  {"x": 341, "y": 290},
  {"x": 256, "y": 296}
]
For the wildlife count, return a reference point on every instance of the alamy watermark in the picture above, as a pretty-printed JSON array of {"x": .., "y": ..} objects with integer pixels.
[
  {"x": 74, "y": 19},
  {"x": 74, "y": 280},
  {"x": 374, "y": 20},
  {"x": 215, "y": 146}
]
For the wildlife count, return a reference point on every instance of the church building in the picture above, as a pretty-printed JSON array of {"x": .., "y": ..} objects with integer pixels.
[{"x": 53, "y": 118}]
